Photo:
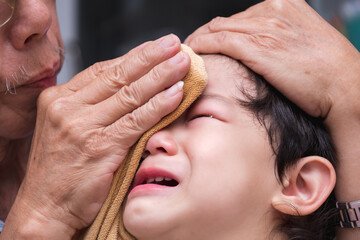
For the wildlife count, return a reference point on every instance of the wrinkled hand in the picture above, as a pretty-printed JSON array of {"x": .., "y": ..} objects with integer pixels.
[
  {"x": 85, "y": 128},
  {"x": 289, "y": 44}
]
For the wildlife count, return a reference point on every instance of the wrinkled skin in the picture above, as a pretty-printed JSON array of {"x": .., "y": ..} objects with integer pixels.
[
  {"x": 289, "y": 44},
  {"x": 84, "y": 128},
  {"x": 31, "y": 47},
  {"x": 309, "y": 61}
]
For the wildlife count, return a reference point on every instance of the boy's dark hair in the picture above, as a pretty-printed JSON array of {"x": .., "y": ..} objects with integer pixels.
[{"x": 293, "y": 134}]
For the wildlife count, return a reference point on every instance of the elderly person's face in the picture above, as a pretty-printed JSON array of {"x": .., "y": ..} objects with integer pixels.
[{"x": 30, "y": 57}]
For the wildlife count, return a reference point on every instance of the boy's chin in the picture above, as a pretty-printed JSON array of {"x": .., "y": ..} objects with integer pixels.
[
  {"x": 145, "y": 223},
  {"x": 140, "y": 222}
]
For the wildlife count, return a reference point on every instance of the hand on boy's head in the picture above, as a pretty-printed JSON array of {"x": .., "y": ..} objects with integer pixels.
[{"x": 289, "y": 44}]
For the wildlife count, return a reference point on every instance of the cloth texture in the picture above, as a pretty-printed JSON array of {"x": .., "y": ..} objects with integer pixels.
[{"x": 108, "y": 224}]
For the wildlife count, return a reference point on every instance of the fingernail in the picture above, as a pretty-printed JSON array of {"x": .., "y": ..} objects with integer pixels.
[
  {"x": 177, "y": 58},
  {"x": 177, "y": 87},
  {"x": 168, "y": 41}
]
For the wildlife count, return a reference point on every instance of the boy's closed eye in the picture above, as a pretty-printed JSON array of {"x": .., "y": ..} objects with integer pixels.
[
  {"x": 196, "y": 116},
  {"x": 211, "y": 107}
]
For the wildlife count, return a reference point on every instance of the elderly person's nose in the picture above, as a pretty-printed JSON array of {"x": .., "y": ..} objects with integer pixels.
[
  {"x": 31, "y": 21},
  {"x": 162, "y": 142}
]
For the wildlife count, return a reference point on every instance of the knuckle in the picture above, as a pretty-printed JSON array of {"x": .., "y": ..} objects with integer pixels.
[
  {"x": 134, "y": 122},
  {"x": 277, "y": 5},
  {"x": 152, "y": 107},
  {"x": 74, "y": 126},
  {"x": 132, "y": 125},
  {"x": 115, "y": 77},
  {"x": 97, "y": 68},
  {"x": 129, "y": 96},
  {"x": 47, "y": 96},
  {"x": 157, "y": 108},
  {"x": 195, "y": 41},
  {"x": 55, "y": 111},
  {"x": 222, "y": 36},
  {"x": 129, "y": 125},
  {"x": 278, "y": 24},
  {"x": 265, "y": 42},
  {"x": 151, "y": 113},
  {"x": 215, "y": 23},
  {"x": 60, "y": 113},
  {"x": 142, "y": 118},
  {"x": 156, "y": 74},
  {"x": 144, "y": 59}
]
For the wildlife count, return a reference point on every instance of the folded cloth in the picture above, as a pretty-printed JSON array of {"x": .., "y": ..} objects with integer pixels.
[{"x": 109, "y": 223}]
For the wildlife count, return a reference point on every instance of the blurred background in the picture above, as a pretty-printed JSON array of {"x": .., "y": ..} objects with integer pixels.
[{"x": 96, "y": 30}]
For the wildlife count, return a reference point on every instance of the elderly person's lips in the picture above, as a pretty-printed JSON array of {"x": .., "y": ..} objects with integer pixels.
[
  {"x": 45, "y": 79},
  {"x": 43, "y": 83}
]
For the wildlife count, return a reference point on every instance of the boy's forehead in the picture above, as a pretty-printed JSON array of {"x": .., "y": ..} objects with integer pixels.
[{"x": 225, "y": 73}]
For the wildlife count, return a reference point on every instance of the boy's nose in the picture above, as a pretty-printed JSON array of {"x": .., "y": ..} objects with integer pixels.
[
  {"x": 162, "y": 142},
  {"x": 31, "y": 21}
]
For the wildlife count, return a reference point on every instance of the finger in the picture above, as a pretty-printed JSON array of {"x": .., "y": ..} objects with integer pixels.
[
  {"x": 80, "y": 80},
  {"x": 219, "y": 24},
  {"x": 132, "y": 66},
  {"x": 85, "y": 77},
  {"x": 201, "y": 30},
  {"x": 129, "y": 128},
  {"x": 239, "y": 25},
  {"x": 112, "y": 75},
  {"x": 260, "y": 10},
  {"x": 139, "y": 92},
  {"x": 240, "y": 46}
]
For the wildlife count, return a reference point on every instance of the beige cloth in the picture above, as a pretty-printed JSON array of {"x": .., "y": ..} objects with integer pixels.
[{"x": 109, "y": 223}]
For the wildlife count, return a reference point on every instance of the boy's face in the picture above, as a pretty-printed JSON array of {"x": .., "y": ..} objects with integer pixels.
[{"x": 223, "y": 167}]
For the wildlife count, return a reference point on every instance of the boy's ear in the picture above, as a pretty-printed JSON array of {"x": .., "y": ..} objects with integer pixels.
[{"x": 305, "y": 187}]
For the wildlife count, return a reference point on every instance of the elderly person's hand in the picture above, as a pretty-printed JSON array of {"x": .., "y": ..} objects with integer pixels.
[
  {"x": 84, "y": 130},
  {"x": 289, "y": 44},
  {"x": 307, "y": 60}
]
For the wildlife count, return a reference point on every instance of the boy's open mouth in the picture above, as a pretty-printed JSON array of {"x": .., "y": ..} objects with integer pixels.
[
  {"x": 165, "y": 181},
  {"x": 155, "y": 176}
]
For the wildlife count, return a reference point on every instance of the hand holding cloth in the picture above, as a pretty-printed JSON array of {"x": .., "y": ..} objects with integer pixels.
[{"x": 109, "y": 223}]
